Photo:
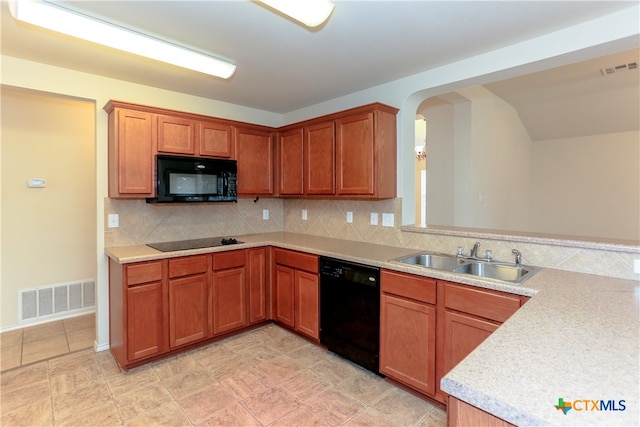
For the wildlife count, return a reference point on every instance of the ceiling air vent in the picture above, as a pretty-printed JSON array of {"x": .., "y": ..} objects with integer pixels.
[{"x": 619, "y": 68}]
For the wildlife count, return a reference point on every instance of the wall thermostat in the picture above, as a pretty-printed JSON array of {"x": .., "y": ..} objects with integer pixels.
[{"x": 37, "y": 183}]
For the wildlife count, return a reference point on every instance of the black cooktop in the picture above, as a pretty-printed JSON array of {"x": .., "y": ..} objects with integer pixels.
[{"x": 193, "y": 244}]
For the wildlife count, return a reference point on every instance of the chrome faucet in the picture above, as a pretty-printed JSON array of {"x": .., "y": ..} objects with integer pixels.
[
  {"x": 518, "y": 257},
  {"x": 474, "y": 250}
]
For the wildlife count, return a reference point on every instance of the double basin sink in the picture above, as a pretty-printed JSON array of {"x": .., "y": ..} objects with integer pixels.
[{"x": 486, "y": 269}]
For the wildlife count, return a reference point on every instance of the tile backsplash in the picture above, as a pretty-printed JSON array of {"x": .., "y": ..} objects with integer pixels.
[{"x": 146, "y": 223}]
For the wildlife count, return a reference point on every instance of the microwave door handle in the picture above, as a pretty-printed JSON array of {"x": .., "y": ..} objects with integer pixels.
[{"x": 225, "y": 183}]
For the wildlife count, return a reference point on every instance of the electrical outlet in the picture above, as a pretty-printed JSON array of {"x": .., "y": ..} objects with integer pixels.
[
  {"x": 349, "y": 217},
  {"x": 388, "y": 220},
  {"x": 304, "y": 214},
  {"x": 636, "y": 266},
  {"x": 265, "y": 214},
  {"x": 374, "y": 218},
  {"x": 114, "y": 220}
]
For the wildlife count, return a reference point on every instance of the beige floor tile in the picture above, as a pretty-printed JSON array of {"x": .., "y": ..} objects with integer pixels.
[
  {"x": 366, "y": 387},
  {"x": 402, "y": 407},
  {"x": 69, "y": 363},
  {"x": 39, "y": 332},
  {"x": 202, "y": 405},
  {"x": 44, "y": 348},
  {"x": 335, "y": 407},
  {"x": 176, "y": 365},
  {"x": 11, "y": 352},
  {"x": 143, "y": 399},
  {"x": 23, "y": 377},
  {"x": 245, "y": 381},
  {"x": 244, "y": 341},
  {"x": 168, "y": 415},
  {"x": 300, "y": 417},
  {"x": 305, "y": 385},
  {"x": 6, "y": 364},
  {"x": 280, "y": 368},
  {"x": 335, "y": 369},
  {"x": 189, "y": 383},
  {"x": 37, "y": 413},
  {"x": 108, "y": 364},
  {"x": 81, "y": 339},
  {"x": 232, "y": 416},
  {"x": 84, "y": 376},
  {"x": 370, "y": 418},
  {"x": 11, "y": 338},
  {"x": 310, "y": 354},
  {"x": 436, "y": 418},
  {"x": 270, "y": 405},
  {"x": 132, "y": 380},
  {"x": 86, "y": 321},
  {"x": 102, "y": 414},
  {"x": 25, "y": 396},
  {"x": 67, "y": 405}
]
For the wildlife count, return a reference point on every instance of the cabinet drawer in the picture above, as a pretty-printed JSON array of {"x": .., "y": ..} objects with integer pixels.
[
  {"x": 144, "y": 272},
  {"x": 297, "y": 260},
  {"x": 492, "y": 305},
  {"x": 231, "y": 259},
  {"x": 409, "y": 286},
  {"x": 187, "y": 266}
]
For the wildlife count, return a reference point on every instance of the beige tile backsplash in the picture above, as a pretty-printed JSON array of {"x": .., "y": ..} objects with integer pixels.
[{"x": 146, "y": 223}]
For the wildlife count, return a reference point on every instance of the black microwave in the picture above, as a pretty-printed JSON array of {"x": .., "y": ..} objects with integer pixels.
[{"x": 194, "y": 179}]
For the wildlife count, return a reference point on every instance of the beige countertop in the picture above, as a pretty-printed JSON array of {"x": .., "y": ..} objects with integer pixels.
[{"x": 577, "y": 339}]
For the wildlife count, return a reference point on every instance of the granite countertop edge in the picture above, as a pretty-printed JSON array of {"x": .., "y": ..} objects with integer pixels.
[{"x": 562, "y": 301}]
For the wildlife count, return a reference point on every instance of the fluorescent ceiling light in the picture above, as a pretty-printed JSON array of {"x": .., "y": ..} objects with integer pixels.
[
  {"x": 53, "y": 17},
  {"x": 310, "y": 12}
]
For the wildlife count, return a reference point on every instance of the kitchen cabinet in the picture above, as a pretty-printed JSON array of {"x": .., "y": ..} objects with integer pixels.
[
  {"x": 469, "y": 316},
  {"x": 230, "y": 299},
  {"x": 408, "y": 330},
  {"x": 131, "y": 152},
  {"x": 366, "y": 153},
  {"x": 297, "y": 294},
  {"x": 176, "y": 135},
  {"x": 307, "y": 160},
  {"x": 461, "y": 414},
  {"x": 257, "y": 277},
  {"x": 188, "y": 293},
  {"x": 137, "y": 303},
  {"x": 254, "y": 153},
  {"x": 214, "y": 139}
]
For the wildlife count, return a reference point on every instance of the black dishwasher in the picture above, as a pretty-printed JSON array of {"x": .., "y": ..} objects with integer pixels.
[{"x": 350, "y": 311}]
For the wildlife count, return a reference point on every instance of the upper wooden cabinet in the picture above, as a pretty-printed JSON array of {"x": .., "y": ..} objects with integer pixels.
[
  {"x": 214, "y": 139},
  {"x": 291, "y": 163},
  {"x": 131, "y": 150},
  {"x": 366, "y": 154},
  {"x": 254, "y": 153},
  {"x": 176, "y": 135}
]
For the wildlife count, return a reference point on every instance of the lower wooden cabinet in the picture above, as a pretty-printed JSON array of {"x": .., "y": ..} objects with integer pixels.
[
  {"x": 296, "y": 291},
  {"x": 230, "y": 301},
  {"x": 145, "y": 323},
  {"x": 257, "y": 278},
  {"x": 463, "y": 333},
  {"x": 461, "y": 414},
  {"x": 408, "y": 330}
]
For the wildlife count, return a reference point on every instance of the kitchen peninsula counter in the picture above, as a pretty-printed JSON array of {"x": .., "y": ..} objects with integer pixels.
[{"x": 576, "y": 339}]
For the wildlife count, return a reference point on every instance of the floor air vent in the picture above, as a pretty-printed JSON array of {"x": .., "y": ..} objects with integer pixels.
[{"x": 59, "y": 300}]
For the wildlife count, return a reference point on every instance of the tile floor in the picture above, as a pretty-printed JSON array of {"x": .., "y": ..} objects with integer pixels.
[
  {"x": 40, "y": 342},
  {"x": 267, "y": 376}
]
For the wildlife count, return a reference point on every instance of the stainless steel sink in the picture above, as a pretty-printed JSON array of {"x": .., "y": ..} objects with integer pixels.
[
  {"x": 432, "y": 260},
  {"x": 504, "y": 272},
  {"x": 486, "y": 269}
]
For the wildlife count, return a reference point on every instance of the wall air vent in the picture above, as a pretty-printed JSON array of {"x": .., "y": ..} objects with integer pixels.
[
  {"x": 56, "y": 301},
  {"x": 619, "y": 68}
]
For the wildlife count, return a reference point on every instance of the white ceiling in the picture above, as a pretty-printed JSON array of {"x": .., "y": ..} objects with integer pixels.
[{"x": 282, "y": 66}]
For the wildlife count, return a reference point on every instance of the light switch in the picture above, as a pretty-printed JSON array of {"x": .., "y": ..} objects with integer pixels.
[
  {"x": 388, "y": 220},
  {"x": 304, "y": 214},
  {"x": 265, "y": 214},
  {"x": 636, "y": 266},
  {"x": 374, "y": 218},
  {"x": 350, "y": 217}
]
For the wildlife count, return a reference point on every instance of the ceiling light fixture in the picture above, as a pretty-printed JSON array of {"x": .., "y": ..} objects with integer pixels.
[
  {"x": 309, "y": 12},
  {"x": 56, "y": 18}
]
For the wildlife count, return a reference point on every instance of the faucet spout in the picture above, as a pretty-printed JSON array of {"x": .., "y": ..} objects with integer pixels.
[
  {"x": 518, "y": 257},
  {"x": 474, "y": 250}
]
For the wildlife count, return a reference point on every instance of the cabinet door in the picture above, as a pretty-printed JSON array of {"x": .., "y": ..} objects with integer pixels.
[
  {"x": 407, "y": 344},
  {"x": 254, "y": 153},
  {"x": 290, "y": 163},
  {"x": 320, "y": 159},
  {"x": 229, "y": 300},
  {"x": 284, "y": 295},
  {"x": 257, "y": 285},
  {"x": 176, "y": 135},
  {"x": 188, "y": 314},
  {"x": 307, "y": 297},
  {"x": 355, "y": 154},
  {"x": 145, "y": 324},
  {"x": 462, "y": 335},
  {"x": 213, "y": 139},
  {"x": 130, "y": 154}
]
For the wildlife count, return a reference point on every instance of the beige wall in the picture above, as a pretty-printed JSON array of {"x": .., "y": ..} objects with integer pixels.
[{"x": 48, "y": 234}]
